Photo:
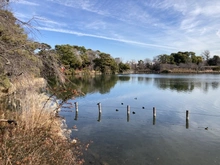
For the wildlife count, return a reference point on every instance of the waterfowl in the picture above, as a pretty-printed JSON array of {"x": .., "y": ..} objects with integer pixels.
[
  {"x": 133, "y": 112},
  {"x": 206, "y": 128},
  {"x": 142, "y": 107},
  {"x": 116, "y": 109},
  {"x": 74, "y": 127},
  {"x": 121, "y": 103},
  {"x": 74, "y": 141}
]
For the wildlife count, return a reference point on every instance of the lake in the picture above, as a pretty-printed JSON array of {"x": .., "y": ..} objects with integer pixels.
[{"x": 139, "y": 139}]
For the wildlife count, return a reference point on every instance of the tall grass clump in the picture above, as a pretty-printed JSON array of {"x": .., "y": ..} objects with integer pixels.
[{"x": 35, "y": 137}]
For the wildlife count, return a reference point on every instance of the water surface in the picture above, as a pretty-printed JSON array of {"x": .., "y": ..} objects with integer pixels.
[{"x": 138, "y": 139}]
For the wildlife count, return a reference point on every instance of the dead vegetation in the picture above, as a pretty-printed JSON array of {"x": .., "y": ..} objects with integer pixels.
[{"x": 36, "y": 137}]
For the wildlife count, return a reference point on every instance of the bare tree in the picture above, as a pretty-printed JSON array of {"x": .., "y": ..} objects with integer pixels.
[
  {"x": 206, "y": 55},
  {"x": 147, "y": 61},
  {"x": 3, "y": 3}
]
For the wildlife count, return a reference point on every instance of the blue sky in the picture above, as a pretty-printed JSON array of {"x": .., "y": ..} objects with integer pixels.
[{"x": 128, "y": 29}]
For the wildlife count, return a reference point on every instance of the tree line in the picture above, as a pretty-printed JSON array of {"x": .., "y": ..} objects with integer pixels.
[
  {"x": 187, "y": 60},
  {"x": 73, "y": 57}
]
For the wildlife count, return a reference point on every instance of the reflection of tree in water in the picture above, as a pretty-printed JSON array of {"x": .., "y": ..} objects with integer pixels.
[
  {"x": 104, "y": 83},
  {"x": 85, "y": 85},
  {"x": 101, "y": 83},
  {"x": 184, "y": 85},
  {"x": 174, "y": 84},
  {"x": 124, "y": 78},
  {"x": 140, "y": 78},
  {"x": 215, "y": 85}
]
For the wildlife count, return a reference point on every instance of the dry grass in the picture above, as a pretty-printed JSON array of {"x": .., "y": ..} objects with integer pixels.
[{"x": 37, "y": 138}]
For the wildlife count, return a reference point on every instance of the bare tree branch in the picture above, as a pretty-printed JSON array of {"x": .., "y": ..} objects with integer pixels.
[{"x": 8, "y": 62}]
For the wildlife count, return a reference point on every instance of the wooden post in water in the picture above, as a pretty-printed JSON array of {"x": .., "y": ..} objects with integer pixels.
[
  {"x": 100, "y": 111},
  {"x": 187, "y": 119},
  {"x": 77, "y": 109},
  {"x": 128, "y": 109},
  {"x": 76, "y": 106},
  {"x": 99, "y": 107},
  {"x": 187, "y": 115},
  {"x": 128, "y": 113},
  {"x": 154, "y": 112}
]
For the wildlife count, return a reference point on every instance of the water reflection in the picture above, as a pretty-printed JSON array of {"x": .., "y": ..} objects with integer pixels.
[
  {"x": 174, "y": 84},
  {"x": 185, "y": 85},
  {"x": 154, "y": 120},
  {"x": 124, "y": 78},
  {"x": 118, "y": 134},
  {"x": 99, "y": 117},
  {"x": 128, "y": 117},
  {"x": 101, "y": 84},
  {"x": 85, "y": 85},
  {"x": 76, "y": 115},
  {"x": 104, "y": 83},
  {"x": 187, "y": 124}
]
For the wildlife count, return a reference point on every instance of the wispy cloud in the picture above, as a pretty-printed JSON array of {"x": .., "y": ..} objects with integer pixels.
[
  {"x": 126, "y": 11},
  {"x": 104, "y": 37},
  {"x": 46, "y": 22},
  {"x": 96, "y": 25},
  {"x": 189, "y": 24},
  {"x": 218, "y": 33},
  {"x": 21, "y": 16},
  {"x": 24, "y": 2}
]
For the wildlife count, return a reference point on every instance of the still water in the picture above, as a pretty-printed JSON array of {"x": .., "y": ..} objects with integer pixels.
[{"x": 138, "y": 139}]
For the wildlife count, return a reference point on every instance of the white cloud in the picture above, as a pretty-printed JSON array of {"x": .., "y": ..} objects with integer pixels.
[
  {"x": 21, "y": 15},
  {"x": 103, "y": 37},
  {"x": 24, "y": 2},
  {"x": 96, "y": 25},
  {"x": 189, "y": 24},
  {"x": 87, "y": 5},
  {"x": 211, "y": 9},
  {"x": 203, "y": 31},
  {"x": 48, "y": 22},
  {"x": 218, "y": 33}
]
